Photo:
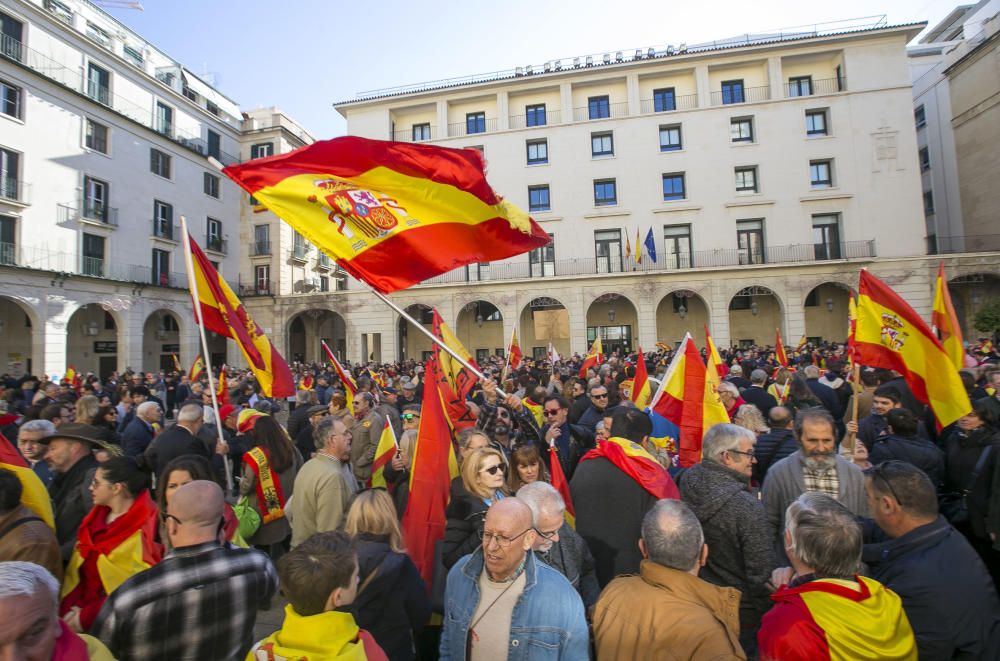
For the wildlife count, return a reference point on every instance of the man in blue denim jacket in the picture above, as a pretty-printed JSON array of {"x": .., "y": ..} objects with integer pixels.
[{"x": 500, "y": 603}]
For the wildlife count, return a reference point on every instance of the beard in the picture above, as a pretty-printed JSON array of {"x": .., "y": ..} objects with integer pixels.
[
  {"x": 501, "y": 429},
  {"x": 821, "y": 461}
]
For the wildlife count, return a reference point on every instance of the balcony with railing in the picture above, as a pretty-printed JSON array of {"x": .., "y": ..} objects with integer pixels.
[
  {"x": 164, "y": 229},
  {"x": 299, "y": 251},
  {"x": 610, "y": 111},
  {"x": 96, "y": 212},
  {"x": 260, "y": 248},
  {"x": 216, "y": 243},
  {"x": 741, "y": 95},
  {"x": 14, "y": 190},
  {"x": 685, "y": 102},
  {"x": 546, "y": 118},
  {"x": 260, "y": 289},
  {"x": 324, "y": 262},
  {"x": 72, "y": 263},
  {"x": 472, "y": 127},
  {"x": 797, "y": 88},
  {"x": 8, "y": 254},
  {"x": 409, "y": 135},
  {"x": 76, "y": 80}
]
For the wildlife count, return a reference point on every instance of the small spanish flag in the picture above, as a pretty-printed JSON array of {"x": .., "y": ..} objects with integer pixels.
[
  {"x": 779, "y": 350},
  {"x": 197, "y": 369},
  {"x": 386, "y": 449},
  {"x": 392, "y": 214},
  {"x": 945, "y": 321},
  {"x": 594, "y": 357},
  {"x": 350, "y": 385},
  {"x": 641, "y": 393},
  {"x": 515, "y": 351},
  {"x": 177, "y": 363}
]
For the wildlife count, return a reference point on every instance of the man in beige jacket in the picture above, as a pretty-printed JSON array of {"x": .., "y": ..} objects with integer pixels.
[
  {"x": 325, "y": 484},
  {"x": 667, "y": 612}
]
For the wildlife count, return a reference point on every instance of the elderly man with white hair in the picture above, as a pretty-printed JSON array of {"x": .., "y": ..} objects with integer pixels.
[
  {"x": 30, "y": 628},
  {"x": 730, "y": 396},
  {"x": 181, "y": 439},
  {"x": 734, "y": 521},
  {"x": 558, "y": 545},
  {"x": 140, "y": 431}
]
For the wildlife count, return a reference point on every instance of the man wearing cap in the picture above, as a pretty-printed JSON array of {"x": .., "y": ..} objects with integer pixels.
[
  {"x": 70, "y": 455},
  {"x": 366, "y": 432},
  {"x": 304, "y": 439},
  {"x": 409, "y": 396}
]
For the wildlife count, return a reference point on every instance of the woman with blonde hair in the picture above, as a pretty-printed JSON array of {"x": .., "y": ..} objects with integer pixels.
[
  {"x": 391, "y": 601},
  {"x": 779, "y": 389},
  {"x": 484, "y": 473},
  {"x": 86, "y": 409},
  {"x": 750, "y": 417}
]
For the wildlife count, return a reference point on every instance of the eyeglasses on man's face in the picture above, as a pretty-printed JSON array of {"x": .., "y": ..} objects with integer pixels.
[
  {"x": 494, "y": 469},
  {"x": 548, "y": 536},
  {"x": 501, "y": 540},
  {"x": 551, "y": 412},
  {"x": 599, "y": 395},
  {"x": 749, "y": 454}
]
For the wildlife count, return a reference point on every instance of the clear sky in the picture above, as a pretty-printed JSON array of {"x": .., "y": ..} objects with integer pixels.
[{"x": 303, "y": 55}]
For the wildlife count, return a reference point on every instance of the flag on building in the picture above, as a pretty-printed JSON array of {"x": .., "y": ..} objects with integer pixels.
[
  {"x": 34, "y": 495},
  {"x": 687, "y": 398},
  {"x": 514, "y": 353},
  {"x": 594, "y": 357},
  {"x": 457, "y": 381},
  {"x": 431, "y": 473},
  {"x": 638, "y": 248},
  {"x": 641, "y": 392},
  {"x": 945, "y": 321},
  {"x": 560, "y": 484},
  {"x": 223, "y": 313},
  {"x": 384, "y": 452},
  {"x": 650, "y": 244},
  {"x": 197, "y": 369},
  {"x": 628, "y": 246},
  {"x": 391, "y": 213},
  {"x": 222, "y": 388},
  {"x": 891, "y": 335},
  {"x": 779, "y": 350},
  {"x": 350, "y": 385},
  {"x": 714, "y": 359}
]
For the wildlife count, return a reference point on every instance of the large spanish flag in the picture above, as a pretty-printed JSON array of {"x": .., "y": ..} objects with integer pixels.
[
  {"x": 945, "y": 321},
  {"x": 890, "y": 334},
  {"x": 687, "y": 398},
  {"x": 641, "y": 392},
  {"x": 350, "y": 385},
  {"x": 392, "y": 214},
  {"x": 225, "y": 314},
  {"x": 33, "y": 493}
]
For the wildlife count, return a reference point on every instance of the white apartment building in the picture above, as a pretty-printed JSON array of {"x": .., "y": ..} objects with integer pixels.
[
  {"x": 104, "y": 141},
  {"x": 770, "y": 170}
]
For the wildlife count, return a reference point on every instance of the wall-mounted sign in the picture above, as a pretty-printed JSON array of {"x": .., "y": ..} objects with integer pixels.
[{"x": 106, "y": 346}]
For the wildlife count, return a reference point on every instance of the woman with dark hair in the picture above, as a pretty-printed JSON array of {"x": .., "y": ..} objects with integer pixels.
[
  {"x": 800, "y": 396},
  {"x": 116, "y": 540},
  {"x": 188, "y": 468},
  {"x": 526, "y": 467},
  {"x": 272, "y": 462},
  {"x": 106, "y": 424}
]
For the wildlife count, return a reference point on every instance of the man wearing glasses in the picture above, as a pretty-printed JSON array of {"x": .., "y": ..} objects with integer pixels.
[
  {"x": 571, "y": 441},
  {"x": 595, "y": 413},
  {"x": 500, "y": 598},
  {"x": 734, "y": 522}
]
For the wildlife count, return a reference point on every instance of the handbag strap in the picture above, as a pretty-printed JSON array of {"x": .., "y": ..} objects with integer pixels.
[
  {"x": 983, "y": 455},
  {"x": 14, "y": 524}
]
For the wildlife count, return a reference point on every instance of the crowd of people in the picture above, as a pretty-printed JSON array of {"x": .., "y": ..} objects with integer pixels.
[{"x": 827, "y": 520}]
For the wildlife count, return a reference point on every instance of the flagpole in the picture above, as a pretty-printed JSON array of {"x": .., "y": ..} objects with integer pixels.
[
  {"x": 433, "y": 338},
  {"x": 506, "y": 361},
  {"x": 855, "y": 386},
  {"x": 196, "y": 302}
]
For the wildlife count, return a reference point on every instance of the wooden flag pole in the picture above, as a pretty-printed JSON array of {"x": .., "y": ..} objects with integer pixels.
[
  {"x": 855, "y": 400},
  {"x": 193, "y": 287},
  {"x": 506, "y": 361}
]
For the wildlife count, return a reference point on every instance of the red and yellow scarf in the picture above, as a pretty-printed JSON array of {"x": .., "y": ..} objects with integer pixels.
[
  {"x": 270, "y": 495},
  {"x": 638, "y": 464}
]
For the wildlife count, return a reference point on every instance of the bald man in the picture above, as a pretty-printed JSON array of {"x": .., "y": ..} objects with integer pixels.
[
  {"x": 502, "y": 578},
  {"x": 205, "y": 588}
]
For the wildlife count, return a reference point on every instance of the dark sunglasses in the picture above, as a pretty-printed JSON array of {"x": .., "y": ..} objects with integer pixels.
[
  {"x": 496, "y": 468},
  {"x": 551, "y": 412},
  {"x": 604, "y": 396}
]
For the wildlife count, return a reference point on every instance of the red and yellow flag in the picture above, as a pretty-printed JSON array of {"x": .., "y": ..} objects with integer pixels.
[
  {"x": 594, "y": 357},
  {"x": 197, "y": 369},
  {"x": 641, "y": 393},
  {"x": 384, "y": 452},
  {"x": 638, "y": 247},
  {"x": 779, "y": 350},
  {"x": 350, "y": 385},
  {"x": 33, "y": 493},
  {"x": 714, "y": 360},
  {"x": 945, "y": 321},
  {"x": 222, "y": 387},
  {"x": 177, "y": 363},
  {"x": 638, "y": 464},
  {"x": 457, "y": 381},
  {"x": 561, "y": 485},
  {"x": 515, "y": 354},
  {"x": 391, "y": 213},
  {"x": 891, "y": 335},
  {"x": 225, "y": 314}
]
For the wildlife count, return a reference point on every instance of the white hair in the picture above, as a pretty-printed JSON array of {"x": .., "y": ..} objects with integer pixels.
[
  {"x": 22, "y": 579},
  {"x": 146, "y": 406},
  {"x": 722, "y": 437},
  {"x": 190, "y": 413},
  {"x": 44, "y": 426},
  {"x": 728, "y": 387},
  {"x": 541, "y": 498}
]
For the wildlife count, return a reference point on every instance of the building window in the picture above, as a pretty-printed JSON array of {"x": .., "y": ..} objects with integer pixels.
[
  {"x": 538, "y": 151},
  {"x": 421, "y": 132},
  {"x": 324, "y": 283},
  {"x": 8, "y": 247},
  {"x": 61, "y": 11},
  {"x": 95, "y": 199},
  {"x": 159, "y": 163},
  {"x": 750, "y": 240},
  {"x": 262, "y": 150},
  {"x": 161, "y": 267},
  {"x": 673, "y": 186},
  {"x": 602, "y": 144},
  {"x": 821, "y": 174},
  {"x": 732, "y": 91},
  {"x": 535, "y": 115},
  {"x": 542, "y": 261},
  {"x": 262, "y": 278},
  {"x": 477, "y": 272},
  {"x": 839, "y": 74},
  {"x": 605, "y": 193},
  {"x": 746, "y": 179},
  {"x": 213, "y": 235},
  {"x": 10, "y": 99},
  {"x": 10, "y": 168},
  {"x": 826, "y": 236},
  {"x": 214, "y": 141},
  {"x": 93, "y": 255},
  {"x": 800, "y": 86},
  {"x": 925, "y": 159},
  {"x": 538, "y": 198},
  {"x": 599, "y": 107},
  {"x": 677, "y": 246},
  {"x": 670, "y": 138},
  {"x": 920, "y": 117},
  {"x": 928, "y": 203},
  {"x": 163, "y": 220},
  {"x": 608, "y": 249},
  {"x": 98, "y": 34},
  {"x": 475, "y": 122},
  {"x": 261, "y": 240},
  {"x": 99, "y": 84},
  {"x": 664, "y": 100},
  {"x": 816, "y": 122},
  {"x": 97, "y": 137},
  {"x": 212, "y": 184},
  {"x": 133, "y": 55},
  {"x": 164, "y": 119},
  {"x": 339, "y": 279},
  {"x": 741, "y": 129},
  {"x": 211, "y": 107}
]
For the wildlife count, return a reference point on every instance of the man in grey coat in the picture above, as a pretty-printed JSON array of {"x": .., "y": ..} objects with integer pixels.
[
  {"x": 817, "y": 466},
  {"x": 734, "y": 522}
]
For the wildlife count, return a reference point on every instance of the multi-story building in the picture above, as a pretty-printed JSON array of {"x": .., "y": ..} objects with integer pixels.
[
  {"x": 768, "y": 171},
  {"x": 105, "y": 144}
]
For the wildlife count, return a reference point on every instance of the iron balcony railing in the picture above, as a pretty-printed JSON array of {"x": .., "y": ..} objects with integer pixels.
[
  {"x": 260, "y": 248},
  {"x": 8, "y": 254},
  {"x": 408, "y": 135},
  {"x": 944, "y": 245},
  {"x": 216, "y": 244},
  {"x": 255, "y": 290},
  {"x": 812, "y": 87},
  {"x": 610, "y": 111},
  {"x": 72, "y": 263},
  {"x": 741, "y": 95},
  {"x": 546, "y": 118},
  {"x": 164, "y": 229},
  {"x": 15, "y": 190},
  {"x": 473, "y": 127},
  {"x": 100, "y": 212},
  {"x": 685, "y": 102},
  {"x": 300, "y": 251}
]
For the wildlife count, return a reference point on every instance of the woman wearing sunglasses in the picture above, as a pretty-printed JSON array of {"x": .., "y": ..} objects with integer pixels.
[{"x": 484, "y": 478}]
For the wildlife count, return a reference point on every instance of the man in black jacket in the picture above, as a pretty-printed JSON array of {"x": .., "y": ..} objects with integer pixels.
[
  {"x": 947, "y": 593},
  {"x": 757, "y": 395},
  {"x": 824, "y": 393},
  {"x": 571, "y": 441},
  {"x": 776, "y": 444},
  {"x": 70, "y": 455},
  {"x": 904, "y": 444},
  {"x": 181, "y": 439}
]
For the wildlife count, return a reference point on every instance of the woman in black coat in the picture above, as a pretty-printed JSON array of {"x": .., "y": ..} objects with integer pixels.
[
  {"x": 391, "y": 602},
  {"x": 484, "y": 482}
]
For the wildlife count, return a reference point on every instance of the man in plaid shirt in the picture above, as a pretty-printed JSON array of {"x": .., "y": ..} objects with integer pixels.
[{"x": 201, "y": 601}]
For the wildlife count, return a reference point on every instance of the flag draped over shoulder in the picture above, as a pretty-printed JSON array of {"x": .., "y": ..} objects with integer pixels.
[
  {"x": 225, "y": 314},
  {"x": 779, "y": 350},
  {"x": 350, "y": 385},
  {"x": 384, "y": 452},
  {"x": 594, "y": 357},
  {"x": 641, "y": 393},
  {"x": 687, "y": 398},
  {"x": 457, "y": 381},
  {"x": 890, "y": 334},
  {"x": 945, "y": 321},
  {"x": 714, "y": 358},
  {"x": 34, "y": 496},
  {"x": 638, "y": 464},
  {"x": 391, "y": 213},
  {"x": 430, "y": 479}
]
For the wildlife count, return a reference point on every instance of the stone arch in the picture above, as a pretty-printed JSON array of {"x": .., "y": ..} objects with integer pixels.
[
  {"x": 543, "y": 321},
  {"x": 19, "y": 323},
  {"x": 306, "y": 330},
  {"x": 615, "y": 318},
  {"x": 93, "y": 333},
  {"x": 411, "y": 343},
  {"x": 161, "y": 340},
  {"x": 969, "y": 292},
  {"x": 681, "y": 311},
  {"x": 825, "y": 310},
  {"x": 755, "y": 312},
  {"x": 479, "y": 327}
]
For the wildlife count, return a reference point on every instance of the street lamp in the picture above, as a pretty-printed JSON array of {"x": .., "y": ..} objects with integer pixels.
[
  {"x": 611, "y": 313},
  {"x": 682, "y": 311},
  {"x": 754, "y": 309},
  {"x": 829, "y": 305}
]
